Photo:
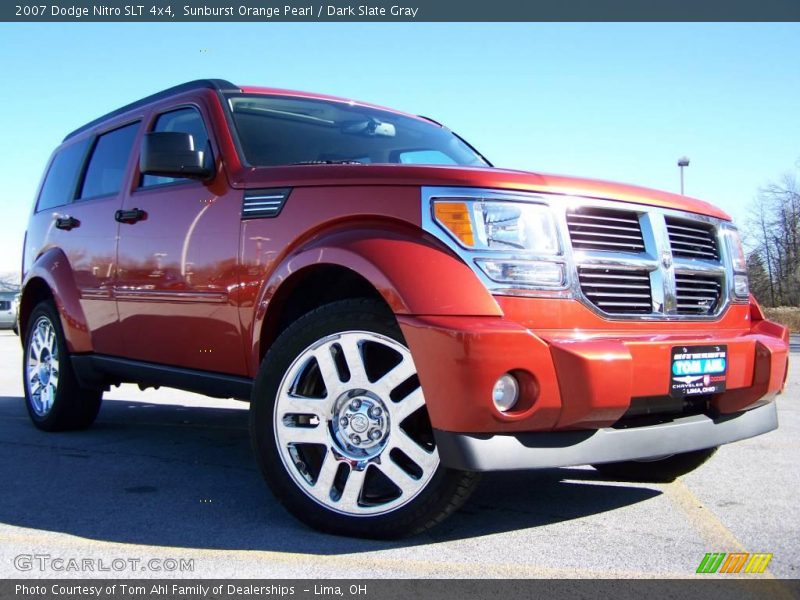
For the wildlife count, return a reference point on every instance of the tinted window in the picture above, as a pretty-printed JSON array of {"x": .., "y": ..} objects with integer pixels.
[
  {"x": 59, "y": 185},
  {"x": 109, "y": 159},
  {"x": 184, "y": 120},
  {"x": 288, "y": 131}
]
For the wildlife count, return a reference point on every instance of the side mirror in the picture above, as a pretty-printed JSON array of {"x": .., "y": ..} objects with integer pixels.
[{"x": 172, "y": 154}]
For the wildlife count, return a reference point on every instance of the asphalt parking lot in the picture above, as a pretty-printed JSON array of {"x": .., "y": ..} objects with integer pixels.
[{"x": 169, "y": 475}]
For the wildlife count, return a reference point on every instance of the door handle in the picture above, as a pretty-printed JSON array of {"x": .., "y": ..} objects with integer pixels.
[
  {"x": 130, "y": 216},
  {"x": 67, "y": 223}
]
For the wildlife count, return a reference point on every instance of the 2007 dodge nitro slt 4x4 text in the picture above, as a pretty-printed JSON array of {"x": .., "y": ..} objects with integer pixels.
[{"x": 400, "y": 314}]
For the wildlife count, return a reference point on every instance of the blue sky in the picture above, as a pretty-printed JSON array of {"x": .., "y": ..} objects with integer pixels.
[{"x": 610, "y": 101}]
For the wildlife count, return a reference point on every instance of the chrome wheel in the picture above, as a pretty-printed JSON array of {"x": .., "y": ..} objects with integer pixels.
[
  {"x": 42, "y": 367},
  {"x": 351, "y": 426}
]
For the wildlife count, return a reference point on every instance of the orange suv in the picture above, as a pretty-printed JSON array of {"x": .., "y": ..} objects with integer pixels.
[{"x": 400, "y": 314}]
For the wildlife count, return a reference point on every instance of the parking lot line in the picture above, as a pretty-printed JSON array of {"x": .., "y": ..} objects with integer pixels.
[
  {"x": 714, "y": 532},
  {"x": 710, "y": 528}
]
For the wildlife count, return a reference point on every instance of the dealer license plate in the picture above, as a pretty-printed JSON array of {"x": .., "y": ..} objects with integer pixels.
[{"x": 698, "y": 370}]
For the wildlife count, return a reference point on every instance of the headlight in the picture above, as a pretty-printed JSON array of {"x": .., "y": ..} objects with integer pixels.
[
  {"x": 523, "y": 272},
  {"x": 741, "y": 286},
  {"x": 735, "y": 250},
  {"x": 502, "y": 226},
  {"x": 733, "y": 243},
  {"x": 511, "y": 241}
]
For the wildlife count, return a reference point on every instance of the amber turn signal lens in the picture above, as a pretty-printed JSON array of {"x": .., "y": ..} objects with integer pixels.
[{"x": 455, "y": 217}]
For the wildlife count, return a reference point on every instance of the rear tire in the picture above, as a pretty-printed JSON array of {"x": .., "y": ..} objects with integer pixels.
[
  {"x": 54, "y": 398},
  {"x": 340, "y": 429},
  {"x": 664, "y": 470}
]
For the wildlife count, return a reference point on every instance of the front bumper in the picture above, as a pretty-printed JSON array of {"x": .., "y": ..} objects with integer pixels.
[
  {"x": 486, "y": 452},
  {"x": 577, "y": 371}
]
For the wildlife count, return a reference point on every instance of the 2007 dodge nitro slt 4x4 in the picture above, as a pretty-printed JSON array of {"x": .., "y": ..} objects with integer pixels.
[{"x": 400, "y": 314}]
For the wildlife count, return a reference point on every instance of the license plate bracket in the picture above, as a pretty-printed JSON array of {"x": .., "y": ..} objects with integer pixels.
[{"x": 698, "y": 370}]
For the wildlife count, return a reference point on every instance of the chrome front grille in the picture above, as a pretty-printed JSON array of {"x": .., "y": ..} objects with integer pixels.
[
  {"x": 617, "y": 291},
  {"x": 697, "y": 294},
  {"x": 692, "y": 239},
  {"x": 593, "y": 228},
  {"x": 650, "y": 262}
]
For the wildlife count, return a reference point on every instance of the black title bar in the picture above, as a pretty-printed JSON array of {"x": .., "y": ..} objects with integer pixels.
[
  {"x": 715, "y": 588},
  {"x": 398, "y": 10}
]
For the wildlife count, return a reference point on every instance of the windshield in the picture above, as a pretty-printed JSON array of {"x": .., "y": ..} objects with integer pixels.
[{"x": 279, "y": 130}]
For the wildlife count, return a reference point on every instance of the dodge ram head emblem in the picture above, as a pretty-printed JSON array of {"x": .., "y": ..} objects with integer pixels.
[{"x": 666, "y": 259}]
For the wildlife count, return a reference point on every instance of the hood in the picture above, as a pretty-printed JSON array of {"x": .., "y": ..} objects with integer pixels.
[{"x": 484, "y": 177}]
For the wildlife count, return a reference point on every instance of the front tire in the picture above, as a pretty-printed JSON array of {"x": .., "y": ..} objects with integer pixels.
[
  {"x": 54, "y": 398},
  {"x": 664, "y": 470},
  {"x": 340, "y": 429}
]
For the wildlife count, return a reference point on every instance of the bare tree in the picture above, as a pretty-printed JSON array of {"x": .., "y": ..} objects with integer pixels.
[
  {"x": 758, "y": 229},
  {"x": 774, "y": 232},
  {"x": 760, "y": 283}
]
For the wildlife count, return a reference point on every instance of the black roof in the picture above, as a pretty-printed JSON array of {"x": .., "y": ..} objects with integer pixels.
[{"x": 219, "y": 85}]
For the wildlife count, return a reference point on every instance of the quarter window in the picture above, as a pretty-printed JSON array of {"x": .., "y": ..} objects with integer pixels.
[
  {"x": 59, "y": 184},
  {"x": 106, "y": 168},
  {"x": 184, "y": 120}
]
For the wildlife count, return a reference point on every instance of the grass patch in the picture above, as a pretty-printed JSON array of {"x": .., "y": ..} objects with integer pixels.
[{"x": 785, "y": 315}]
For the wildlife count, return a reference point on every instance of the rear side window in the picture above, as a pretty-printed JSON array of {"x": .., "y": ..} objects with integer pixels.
[
  {"x": 59, "y": 184},
  {"x": 107, "y": 166},
  {"x": 184, "y": 120}
]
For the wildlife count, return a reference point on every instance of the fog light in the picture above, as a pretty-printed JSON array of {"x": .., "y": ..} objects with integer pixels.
[{"x": 505, "y": 393}]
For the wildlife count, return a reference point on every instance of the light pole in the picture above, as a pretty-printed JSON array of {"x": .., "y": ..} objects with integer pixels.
[{"x": 683, "y": 162}]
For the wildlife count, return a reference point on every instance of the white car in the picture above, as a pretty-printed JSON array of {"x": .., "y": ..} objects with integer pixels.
[{"x": 8, "y": 311}]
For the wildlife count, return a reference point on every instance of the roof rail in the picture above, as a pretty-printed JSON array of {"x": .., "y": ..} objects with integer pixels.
[{"x": 220, "y": 85}]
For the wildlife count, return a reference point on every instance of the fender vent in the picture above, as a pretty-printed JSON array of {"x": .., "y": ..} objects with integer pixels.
[{"x": 264, "y": 204}]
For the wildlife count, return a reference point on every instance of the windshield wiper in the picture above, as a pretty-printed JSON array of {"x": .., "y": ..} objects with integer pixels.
[{"x": 329, "y": 162}]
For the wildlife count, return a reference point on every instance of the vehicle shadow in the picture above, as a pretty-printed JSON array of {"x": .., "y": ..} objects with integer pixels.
[{"x": 177, "y": 476}]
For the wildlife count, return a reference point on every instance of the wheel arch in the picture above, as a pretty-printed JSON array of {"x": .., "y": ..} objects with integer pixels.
[
  {"x": 307, "y": 289},
  {"x": 411, "y": 273},
  {"x": 51, "y": 277}
]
